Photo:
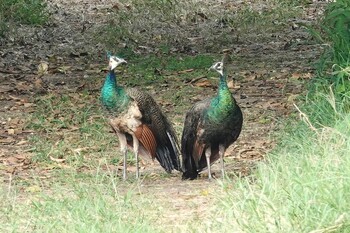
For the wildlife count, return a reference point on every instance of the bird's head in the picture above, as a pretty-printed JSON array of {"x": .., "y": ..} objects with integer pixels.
[
  {"x": 114, "y": 61},
  {"x": 218, "y": 67}
]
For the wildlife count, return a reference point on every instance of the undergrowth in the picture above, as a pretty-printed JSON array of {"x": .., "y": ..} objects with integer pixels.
[{"x": 303, "y": 185}]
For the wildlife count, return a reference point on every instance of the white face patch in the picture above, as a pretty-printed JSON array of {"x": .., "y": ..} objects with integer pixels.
[
  {"x": 219, "y": 67},
  {"x": 115, "y": 61}
]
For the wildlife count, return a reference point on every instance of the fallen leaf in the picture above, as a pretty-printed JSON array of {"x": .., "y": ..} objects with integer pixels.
[
  {"x": 27, "y": 105},
  {"x": 204, "y": 83},
  {"x": 232, "y": 85},
  {"x": 43, "y": 68},
  {"x": 7, "y": 140},
  {"x": 11, "y": 131},
  {"x": 205, "y": 192},
  {"x": 14, "y": 97},
  {"x": 6, "y": 88},
  {"x": 57, "y": 160}
]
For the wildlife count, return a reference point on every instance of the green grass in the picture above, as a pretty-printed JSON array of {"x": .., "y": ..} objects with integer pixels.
[
  {"x": 31, "y": 12},
  {"x": 302, "y": 186},
  {"x": 75, "y": 203},
  {"x": 333, "y": 31},
  {"x": 68, "y": 126}
]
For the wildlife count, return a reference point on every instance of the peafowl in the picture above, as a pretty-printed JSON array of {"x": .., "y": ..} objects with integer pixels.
[
  {"x": 211, "y": 125},
  {"x": 138, "y": 122}
]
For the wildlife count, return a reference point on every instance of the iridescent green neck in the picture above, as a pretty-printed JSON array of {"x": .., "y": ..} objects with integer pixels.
[
  {"x": 113, "y": 97},
  {"x": 223, "y": 104}
]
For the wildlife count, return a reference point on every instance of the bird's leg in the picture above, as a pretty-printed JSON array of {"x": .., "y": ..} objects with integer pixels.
[
  {"x": 124, "y": 150},
  {"x": 221, "y": 153},
  {"x": 207, "y": 156},
  {"x": 136, "y": 145}
]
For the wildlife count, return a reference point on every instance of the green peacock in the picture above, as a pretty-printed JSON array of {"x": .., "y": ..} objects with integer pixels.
[
  {"x": 138, "y": 122},
  {"x": 211, "y": 125}
]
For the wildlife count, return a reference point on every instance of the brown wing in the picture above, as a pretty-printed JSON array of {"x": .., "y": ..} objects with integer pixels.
[
  {"x": 198, "y": 149},
  {"x": 147, "y": 139},
  {"x": 166, "y": 146}
]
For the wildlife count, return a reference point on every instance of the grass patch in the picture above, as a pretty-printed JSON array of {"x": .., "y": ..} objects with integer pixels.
[
  {"x": 302, "y": 187},
  {"x": 31, "y": 12},
  {"x": 333, "y": 31},
  {"x": 70, "y": 127},
  {"x": 304, "y": 184},
  {"x": 77, "y": 204},
  {"x": 194, "y": 26}
]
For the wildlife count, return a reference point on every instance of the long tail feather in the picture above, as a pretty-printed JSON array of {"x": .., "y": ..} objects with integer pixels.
[{"x": 168, "y": 155}]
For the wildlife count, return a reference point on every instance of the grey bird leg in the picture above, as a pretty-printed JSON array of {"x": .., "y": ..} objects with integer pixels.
[
  {"x": 207, "y": 156},
  {"x": 136, "y": 145},
  {"x": 222, "y": 153},
  {"x": 124, "y": 150}
]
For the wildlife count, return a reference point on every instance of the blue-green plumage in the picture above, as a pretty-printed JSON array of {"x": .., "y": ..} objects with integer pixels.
[
  {"x": 113, "y": 97},
  {"x": 221, "y": 106},
  {"x": 210, "y": 127}
]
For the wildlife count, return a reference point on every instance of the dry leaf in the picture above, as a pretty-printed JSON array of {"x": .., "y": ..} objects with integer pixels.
[
  {"x": 11, "y": 131},
  {"x": 5, "y": 88},
  {"x": 11, "y": 161},
  {"x": 57, "y": 160},
  {"x": 27, "y": 105},
  {"x": 7, "y": 140},
  {"x": 204, "y": 83},
  {"x": 43, "y": 68},
  {"x": 232, "y": 85}
]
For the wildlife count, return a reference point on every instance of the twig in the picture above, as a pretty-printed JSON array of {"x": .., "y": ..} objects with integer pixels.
[
  {"x": 337, "y": 224},
  {"x": 305, "y": 118}
]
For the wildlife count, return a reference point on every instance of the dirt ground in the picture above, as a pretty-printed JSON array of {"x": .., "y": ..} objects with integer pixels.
[{"x": 269, "y": 76}]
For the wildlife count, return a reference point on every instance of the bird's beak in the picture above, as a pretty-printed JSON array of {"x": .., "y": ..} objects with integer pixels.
[
  {"x": 121, "y": 61},
  {"x": 211, "y": 68}
]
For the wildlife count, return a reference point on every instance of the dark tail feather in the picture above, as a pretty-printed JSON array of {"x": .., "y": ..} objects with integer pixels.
[
  {"x": 167, "y": 159},
  {"x": 190, "y": 169},
  {"x": 174, "y": 152},
  {"x": 168, "y": 155}
]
